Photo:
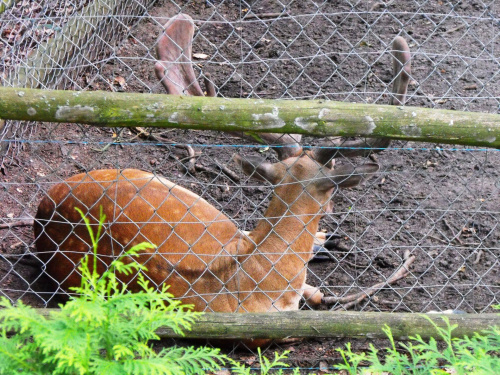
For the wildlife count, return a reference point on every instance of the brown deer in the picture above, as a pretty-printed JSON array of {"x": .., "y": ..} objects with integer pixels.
[
  {"x": 175, "y": 72},
  {"x": 200, "y": 252}
]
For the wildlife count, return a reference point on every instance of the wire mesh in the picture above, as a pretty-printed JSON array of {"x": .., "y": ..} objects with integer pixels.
[{"x": 438, "y": 203}]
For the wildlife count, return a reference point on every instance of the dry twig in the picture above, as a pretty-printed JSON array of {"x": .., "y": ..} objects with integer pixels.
[
  {"x": 228, "y": 172},
  {"x": 20, "y": 223},
  {"x": 191, "y": 168},
  {"x": 478, "y": 256},
  {"x": 262, "y": 15},
  {"x": 353, "y": 299},
  {"x": 456, "y": 237},
  {"x": 459, "y": 27}
]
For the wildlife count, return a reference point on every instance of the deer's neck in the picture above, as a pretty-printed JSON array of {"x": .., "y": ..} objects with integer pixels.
[
  {"x": 272, "y": 258},
  {"x": 288, "y": 228}
]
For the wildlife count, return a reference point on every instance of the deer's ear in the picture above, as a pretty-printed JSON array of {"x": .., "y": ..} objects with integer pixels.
[
  {"x": 347, "y": 176},
  {"x": 258, "y": 168}
]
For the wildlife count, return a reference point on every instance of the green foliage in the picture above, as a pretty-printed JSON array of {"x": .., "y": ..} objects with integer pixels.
[
  {"x": 479, "y": 355},
  {"x": 105, "y": 330},
  {"x": 266, "y": 366}
]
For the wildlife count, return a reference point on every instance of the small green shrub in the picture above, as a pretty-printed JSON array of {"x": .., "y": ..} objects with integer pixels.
[
  {"x": 105, "y": 330},
  {"x": 266, "y": 366},
  {"x": 478, "y": 355}
]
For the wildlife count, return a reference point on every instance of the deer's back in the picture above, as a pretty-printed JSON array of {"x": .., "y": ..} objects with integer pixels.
[{"x": 188, "y": 232}]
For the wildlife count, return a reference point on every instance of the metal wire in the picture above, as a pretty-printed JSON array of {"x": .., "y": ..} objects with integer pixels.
[{"x": 438, "y": 202}]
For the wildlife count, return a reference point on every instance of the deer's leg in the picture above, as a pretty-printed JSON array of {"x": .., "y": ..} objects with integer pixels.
[{"x": 312, "y": 295}]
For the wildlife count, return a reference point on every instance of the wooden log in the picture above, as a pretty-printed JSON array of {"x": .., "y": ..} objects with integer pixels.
[
  {"x": 312, "y": 117},
  {"x": 82, "y": 38},
  {"x": 328, "y": 324}
]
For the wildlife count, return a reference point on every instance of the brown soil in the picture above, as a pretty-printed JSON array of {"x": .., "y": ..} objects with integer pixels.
[{"x": 439, "y": 202}]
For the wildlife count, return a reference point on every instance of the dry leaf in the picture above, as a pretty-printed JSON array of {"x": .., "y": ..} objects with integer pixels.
[
  {"x": 323, "y": 367},
  {"x": 200, "y": 56},
  {"x": 250, "y": 360},
  {"x": 120, "y": 81},
  {"x": 222, "y": 372}
]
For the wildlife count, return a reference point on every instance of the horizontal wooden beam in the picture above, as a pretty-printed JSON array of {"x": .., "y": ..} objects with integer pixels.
[
  {"x": 312, "y": 117},
  {"x": 329, "y": 324}
]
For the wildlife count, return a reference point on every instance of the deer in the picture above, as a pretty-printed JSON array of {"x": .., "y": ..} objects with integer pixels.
[
  {"x": 207, "y": 261},
  {"x": 203, "y": 256}
]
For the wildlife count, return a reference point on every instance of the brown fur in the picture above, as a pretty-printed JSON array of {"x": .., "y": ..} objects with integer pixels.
[{"x": 200, "y": 253}]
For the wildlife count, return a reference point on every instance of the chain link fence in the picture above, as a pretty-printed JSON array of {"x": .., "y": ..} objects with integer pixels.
[{"x": 438, "y": 203}]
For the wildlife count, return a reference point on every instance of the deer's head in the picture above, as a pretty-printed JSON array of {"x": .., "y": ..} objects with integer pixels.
[{"x": 306, "y": 182}]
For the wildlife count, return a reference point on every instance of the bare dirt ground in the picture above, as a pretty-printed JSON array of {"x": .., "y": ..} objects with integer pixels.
[{"x": 439, "y": 202}]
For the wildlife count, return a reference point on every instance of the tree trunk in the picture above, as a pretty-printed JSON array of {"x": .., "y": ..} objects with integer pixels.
[{"x": 6, "y": 4}]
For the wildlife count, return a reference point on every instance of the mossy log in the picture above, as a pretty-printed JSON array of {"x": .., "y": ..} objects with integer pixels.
[
  {"x": 329, "y": 324},
  {"x": 312, "y": 117}
]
